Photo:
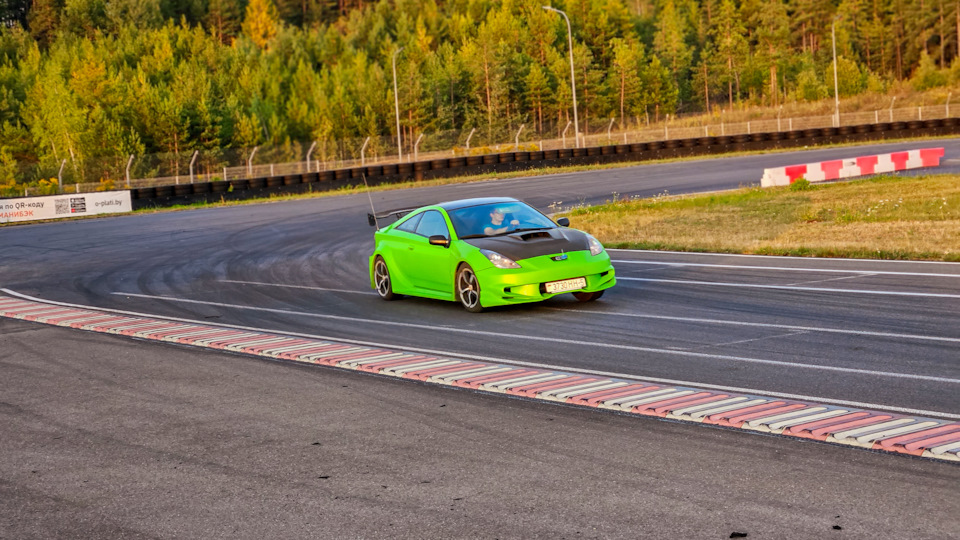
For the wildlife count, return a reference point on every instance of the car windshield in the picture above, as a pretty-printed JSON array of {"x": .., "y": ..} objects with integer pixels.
[{"x": 497, "y": 219}]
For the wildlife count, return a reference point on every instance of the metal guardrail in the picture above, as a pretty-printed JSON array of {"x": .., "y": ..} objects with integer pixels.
[
  {"x": 456, "y": 144},
  {"x": 298, "y": 182}
]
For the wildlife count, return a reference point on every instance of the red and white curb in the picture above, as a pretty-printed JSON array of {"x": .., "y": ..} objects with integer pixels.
[
  {"x": 851, "y": 167},
  {"x": 926, "y": 437}
]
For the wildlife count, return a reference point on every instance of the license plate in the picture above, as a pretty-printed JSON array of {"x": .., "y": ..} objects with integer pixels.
[{"x": 566, "y": 285}]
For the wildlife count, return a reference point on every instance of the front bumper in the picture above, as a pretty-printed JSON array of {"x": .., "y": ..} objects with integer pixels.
[{"x": 526, "y": 284}]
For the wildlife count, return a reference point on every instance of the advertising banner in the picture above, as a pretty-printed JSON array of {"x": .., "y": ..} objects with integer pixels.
[{"x": 64, "y": 206}]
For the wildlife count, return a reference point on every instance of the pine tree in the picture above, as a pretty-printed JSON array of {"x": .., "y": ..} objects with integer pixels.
[
  {"x": 261, "y": 22},
  {"x": 223, "y": 19},
  {"x": 729, "y": 37},
  {"x": 537, "y": 93},
  {"x": 773, "y": 34},
  {"x": 625, "y": 75},
  {"x": 670, "y": 42},
  {"x": 44, "y": 21},
  {"x": 660, "y": 92}
]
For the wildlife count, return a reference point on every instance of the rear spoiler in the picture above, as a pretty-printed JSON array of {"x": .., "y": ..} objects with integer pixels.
[{"x": 397, "y": 214}]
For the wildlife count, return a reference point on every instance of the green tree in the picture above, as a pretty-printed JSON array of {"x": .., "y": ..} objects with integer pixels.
[
  {"x": 44, "y": 21},
  {"x": 773, "y": 34},
  {"x": 625, "y": 80},
  {"x": 660, "y": 93},
  {"x": 261, "y": 22},
  {"x": 141, "y": 14},
  {"x": 670, "y": 42},
  {"x": 730, "y": 38},
  {"x": 538, "y": 93},
  {"x": 84, "y": 17},
  {"x": 927, "y": 75},
  {"x": 850, "y": 79},
  {"x": 224, "y": 19}
]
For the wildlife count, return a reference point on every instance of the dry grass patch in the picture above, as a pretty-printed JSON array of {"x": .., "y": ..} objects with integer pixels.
[{"x": 884, "y": 217}]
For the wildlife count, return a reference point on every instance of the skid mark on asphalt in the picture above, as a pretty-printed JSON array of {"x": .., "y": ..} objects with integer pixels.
[
  {"x": 920, "y": 436},
  {"x": 728, "y": 322},
  {"x": 790, "y": 288},
  {"x": 544, "y": 339},
  {"x": 831, "y": 279},
  {"x": 325, "y": 289},
  {"x": 742, "y": 341}
]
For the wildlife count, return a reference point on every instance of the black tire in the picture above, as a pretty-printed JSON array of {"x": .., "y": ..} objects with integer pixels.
[
  {"x": 467, "y": 289},
  {"x": 382, "y": 281},
  {"x": 587, "y": 296}
]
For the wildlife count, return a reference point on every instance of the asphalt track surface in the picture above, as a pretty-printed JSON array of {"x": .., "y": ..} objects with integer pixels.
[{"x": 879, "y": 334}]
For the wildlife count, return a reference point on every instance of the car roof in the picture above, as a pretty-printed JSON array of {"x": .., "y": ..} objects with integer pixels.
[{"x": 464, "y": 203}]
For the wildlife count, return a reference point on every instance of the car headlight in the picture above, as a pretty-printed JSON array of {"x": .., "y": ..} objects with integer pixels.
[
  {"x": 499, "y": 260},
  {"x": 596, "y": 247}
]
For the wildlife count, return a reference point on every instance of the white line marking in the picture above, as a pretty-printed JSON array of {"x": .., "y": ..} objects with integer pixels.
[
  {"x": 520, "y": 363},
  {"x": 295, "y": 286},
  {"x": 771, "y": 257},
  {"x": 762, "y": 325},
  {"x": 788, "y": 288},
  {"x": 500, "y": 335},
  {"x": 787, "y": 268}
]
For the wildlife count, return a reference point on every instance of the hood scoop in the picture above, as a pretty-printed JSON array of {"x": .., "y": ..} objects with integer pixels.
[
  {"x": 527, "y": 236},
  {"x": 524, "y": 245}
]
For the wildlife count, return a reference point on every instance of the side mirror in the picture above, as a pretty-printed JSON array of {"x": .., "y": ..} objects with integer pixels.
[
  {"x": 437, "y": 240},
  {"x": 371, "y": 220},
  {"x": 563, "y": 222}
]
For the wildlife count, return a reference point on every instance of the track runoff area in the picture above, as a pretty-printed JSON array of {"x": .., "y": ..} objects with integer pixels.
[{"x": 927, "y": 434}]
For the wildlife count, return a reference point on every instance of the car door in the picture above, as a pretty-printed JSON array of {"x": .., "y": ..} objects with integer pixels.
[{"x": 431, "y": 265}]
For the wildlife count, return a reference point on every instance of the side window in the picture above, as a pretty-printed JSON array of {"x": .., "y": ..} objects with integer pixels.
[
  {"x": 410, "y": 225},
  {"x": 433, "y": 224}
]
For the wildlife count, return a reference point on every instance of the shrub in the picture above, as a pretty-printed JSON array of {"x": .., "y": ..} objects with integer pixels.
[
  {"x": 927, "y": 75},
  {"x": 800, "y": 184}
]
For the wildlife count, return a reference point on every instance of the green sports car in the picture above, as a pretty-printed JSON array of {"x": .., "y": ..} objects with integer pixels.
[{"x": 484, "y": 253}]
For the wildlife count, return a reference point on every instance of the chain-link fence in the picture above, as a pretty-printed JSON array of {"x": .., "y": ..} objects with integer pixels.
[{"x": 313, "y": 156}]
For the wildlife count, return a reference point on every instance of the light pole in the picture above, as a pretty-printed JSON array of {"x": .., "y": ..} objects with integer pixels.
[
  {"x": 836, "y": 93},
  {"x": 573, "y": 77},
  {"x": 396, "y": 104}
]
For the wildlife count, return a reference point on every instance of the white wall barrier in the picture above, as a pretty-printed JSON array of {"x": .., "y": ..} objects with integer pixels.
[
  {"x": 851, "y": 167},
  {"x": 64, "y": 206}
]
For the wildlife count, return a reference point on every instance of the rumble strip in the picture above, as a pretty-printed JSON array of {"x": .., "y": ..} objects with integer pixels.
[{"x": 877, "y": 430}]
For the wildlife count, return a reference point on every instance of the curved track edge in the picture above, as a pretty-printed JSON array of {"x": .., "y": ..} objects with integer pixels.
[{"x": 870, "y": 429}]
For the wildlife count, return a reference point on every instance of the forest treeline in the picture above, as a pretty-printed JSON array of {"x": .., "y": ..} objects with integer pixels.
[{"x": 93, "y": 81}]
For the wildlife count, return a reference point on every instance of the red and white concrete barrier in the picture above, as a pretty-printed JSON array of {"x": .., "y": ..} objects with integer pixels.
[{"x": 850, "y": 167}]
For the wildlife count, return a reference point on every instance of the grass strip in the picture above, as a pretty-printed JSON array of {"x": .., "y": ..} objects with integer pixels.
[{"x": 882, "y": 217}]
